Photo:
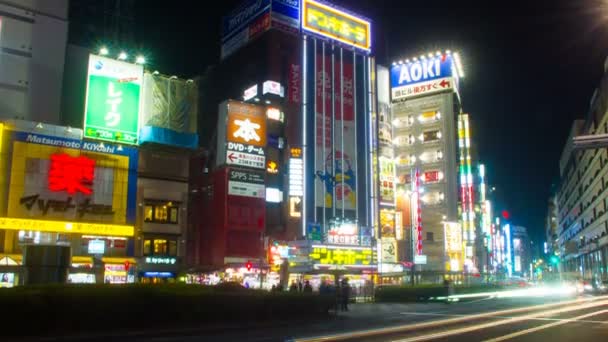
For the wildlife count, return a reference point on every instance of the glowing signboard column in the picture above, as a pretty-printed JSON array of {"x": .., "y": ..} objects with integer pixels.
[
  {"x": 112, "y": 100},
  {"x": 296, "y": 182}
]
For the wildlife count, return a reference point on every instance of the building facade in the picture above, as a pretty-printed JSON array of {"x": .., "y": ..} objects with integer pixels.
[
  {"x": 428, "y": 131},
  {"x": 582, "y": 231},
  {"x": 32, "y": 55}
]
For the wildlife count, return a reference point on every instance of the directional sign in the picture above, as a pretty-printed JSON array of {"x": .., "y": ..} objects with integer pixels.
[
  {"x": 423, "y": 88},
  {"x": 246, "y": 159}
]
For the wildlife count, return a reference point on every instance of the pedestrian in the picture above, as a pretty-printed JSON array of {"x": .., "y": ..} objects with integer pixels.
[
  {"x": 345, "y": 294},
  {"x": 307, "y": 287},
  {"x": 300, "y": 286},
  {"x": 293, "y": 287}
]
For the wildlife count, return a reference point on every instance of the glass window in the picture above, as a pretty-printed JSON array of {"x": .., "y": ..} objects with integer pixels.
[
  {"x": 148, "y": 213},
  {"x": 161, "y": 213},
  {"x": 429, "y": 236},
  {"x": 172, "y": 247},
  {"x": 160, "y": 247},
  {"x": 147, "y": 246},
  {"x": 173, "y": 215}
]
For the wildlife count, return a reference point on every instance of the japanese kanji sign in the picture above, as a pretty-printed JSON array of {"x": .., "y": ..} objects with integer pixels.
[
  {"x": 113, "y": 100},
  {"x": 421, "y": 88},
  {"x": 246, "y": 129},
  {"x": 71, "y": 174}
]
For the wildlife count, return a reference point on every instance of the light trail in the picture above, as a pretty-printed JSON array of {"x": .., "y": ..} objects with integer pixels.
[
  {"x": 546, "y": 326},
  {"x": 511, "y": 320},
  {"x": 432, "y": 324}
]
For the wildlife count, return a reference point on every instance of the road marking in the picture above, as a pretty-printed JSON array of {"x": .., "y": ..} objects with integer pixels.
[
  {"x": 503, "y": 317},
  {"x": 410, "y": 327},
  {"x": 460, "y": 331},
  {"x": 546, "y": 326}
]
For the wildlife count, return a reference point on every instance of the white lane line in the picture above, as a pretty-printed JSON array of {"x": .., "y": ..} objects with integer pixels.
[
  {"x": 432, "y": 324},
  {"x": 546, "y": 326},
  {"x": 476, "y": 327},
  {"x": 502, "y": 317}
]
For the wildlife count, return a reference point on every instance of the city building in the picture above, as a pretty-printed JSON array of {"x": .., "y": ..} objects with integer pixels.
[
  {"x": 296, "y": 177},
  {"x": 32, "y": 53},
  {"x": 582, "y": 236},
  {"x": 551, "y": 222},
  {"x": 430, "y": 141},
  {"x": 522, "y": 251}
]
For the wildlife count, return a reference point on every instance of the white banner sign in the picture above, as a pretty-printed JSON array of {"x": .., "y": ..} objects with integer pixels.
[
  {"x": 421, "y": 88},
  {"x": 246, "y": 189},
  {"x": 246, "y": 159}
]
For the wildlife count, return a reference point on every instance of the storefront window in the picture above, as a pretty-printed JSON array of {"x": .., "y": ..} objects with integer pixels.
[
  {"x": 173, "y": 247},
  {"x": 165, "y": 212},
  {"x": 147, "y": 246},
  {"x": 160, "y": 247}
]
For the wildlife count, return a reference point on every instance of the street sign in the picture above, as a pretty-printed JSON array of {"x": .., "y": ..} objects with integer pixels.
[
  {"x": 246, "y": 159},
  {"x": 246, "y": 183},
  {"x": 420, "y": 259},
  {"x": 421, "y": 88}
]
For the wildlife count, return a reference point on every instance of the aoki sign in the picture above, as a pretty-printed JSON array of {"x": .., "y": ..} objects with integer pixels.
[{"x": 428, "y": 75}]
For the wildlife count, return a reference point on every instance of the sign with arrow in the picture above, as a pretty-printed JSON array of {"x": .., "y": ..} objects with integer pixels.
[
  {"x": 423, "y": 88},
  {"x": 246, "y": 159}
]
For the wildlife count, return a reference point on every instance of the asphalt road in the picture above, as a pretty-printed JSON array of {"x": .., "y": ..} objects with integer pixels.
[{"x": 515, "y": 319}]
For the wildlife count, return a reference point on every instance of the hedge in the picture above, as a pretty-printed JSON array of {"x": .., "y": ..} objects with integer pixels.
[{"x": 89, "y": 308}]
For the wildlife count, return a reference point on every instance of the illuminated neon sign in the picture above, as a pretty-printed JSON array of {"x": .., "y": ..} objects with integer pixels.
[
  {"x": 71, "y": 174},
  {"x": 332, "y": 255},
  {"x": 335, "y": 24},
  {"x": 65, "y": 227}
]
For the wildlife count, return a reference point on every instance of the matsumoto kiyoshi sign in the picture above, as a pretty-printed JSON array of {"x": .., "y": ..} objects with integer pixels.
[{"x": 112, "y": 100}]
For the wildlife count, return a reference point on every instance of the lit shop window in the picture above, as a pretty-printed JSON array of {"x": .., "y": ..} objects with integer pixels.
[
  {"x": 161, "y": 213},
  {"x": 430, "y": 136},
  {"x": 160, "y": 247},
  {"x": 429, "y": 117}
]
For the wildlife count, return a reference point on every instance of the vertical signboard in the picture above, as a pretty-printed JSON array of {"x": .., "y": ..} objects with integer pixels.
[
  {"x": 112, "y": 100},
  {"x": 387, "y": 181},
  {"x": 335, "y": 139}
]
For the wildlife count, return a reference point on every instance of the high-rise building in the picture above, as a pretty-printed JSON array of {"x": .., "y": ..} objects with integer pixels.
[
  {"x": 582, "y": 236},
  {"x": 32, "y": 53},
  {"x": 289, "y": 141},
  {"x": 551, "y": 223},
  {"x": 430, "y": 133}
]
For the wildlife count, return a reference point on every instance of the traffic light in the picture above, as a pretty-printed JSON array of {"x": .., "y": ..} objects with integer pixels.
[
  {"x": 554, "y": 259},
  {"x": 248, "y": 265}
]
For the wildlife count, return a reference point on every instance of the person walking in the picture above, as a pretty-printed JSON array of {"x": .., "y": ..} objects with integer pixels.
[
  {"x": 307, "y": 287},
  {"x": 345, "y": 294}
]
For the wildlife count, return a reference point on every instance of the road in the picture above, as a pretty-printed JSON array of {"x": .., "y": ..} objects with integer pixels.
[{"x": 485, "y": 319}]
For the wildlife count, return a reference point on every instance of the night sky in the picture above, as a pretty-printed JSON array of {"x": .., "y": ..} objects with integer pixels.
[{"x": 531, "y": 68}]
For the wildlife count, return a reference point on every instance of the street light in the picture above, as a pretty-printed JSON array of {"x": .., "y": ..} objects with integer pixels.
[
  {"x": 104, "y": 51},
  {"x": 140, "y": 60},
  {"x": 123, "y": 56}
]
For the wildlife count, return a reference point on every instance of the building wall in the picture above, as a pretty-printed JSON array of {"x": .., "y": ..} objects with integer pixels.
[
  {"x": 582, "y": 199},
  {"x": 426, "y": 160},
  {"x": 34, "y": 36}
]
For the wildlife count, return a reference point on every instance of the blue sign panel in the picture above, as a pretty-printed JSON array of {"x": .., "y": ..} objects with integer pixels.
[
  {"x": 287, "y": 8},
  {"x": 242, "y": 17},
  {"x": 421, "y": 71}
]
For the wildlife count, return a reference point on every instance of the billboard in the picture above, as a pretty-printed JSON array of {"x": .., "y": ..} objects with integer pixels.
[
  {"x": 241, "y": 137},
  {"x": 246, "y": 183},
  {"x": 387, "y": 181},
  {"x": 112, "y": 100},
  {"x": 387, "y": 223},
  {"x": 335, "y": 179},
  {"x": 335, "y": 24},
  {"x": 169, "y": 109},
  {"x": 68, "y": 185},
  {"x": 244, "y": 24},
  {"x": 286, "y": 15},
  {"x": 388, "y": 250},
  {"x": 424, "y": 76}
]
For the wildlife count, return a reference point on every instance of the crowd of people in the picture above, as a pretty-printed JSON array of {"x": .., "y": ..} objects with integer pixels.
[{"x": 342, "y": 291}]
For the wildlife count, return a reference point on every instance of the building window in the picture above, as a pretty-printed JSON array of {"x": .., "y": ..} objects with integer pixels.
[
  {"x": 429, "y": 236},
  {"x": 160, "y": 247},
  {"x": 161, "y": 212}
]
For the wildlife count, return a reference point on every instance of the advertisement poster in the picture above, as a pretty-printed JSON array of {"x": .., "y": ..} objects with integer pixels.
[
  {"x": 113, "y": 100},
  {"x": 389, "y": 250},
  {"x": 341, "y": 177},
  {"x": 387, "y": 181},
  {"x": 387, "y": 223}
]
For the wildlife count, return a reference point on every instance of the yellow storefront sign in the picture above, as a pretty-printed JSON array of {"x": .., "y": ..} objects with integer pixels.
[
  {"x": 332, "y": 23},
  {"x": 341, "y": 256},
  {"x": 66, "y": 227}
]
